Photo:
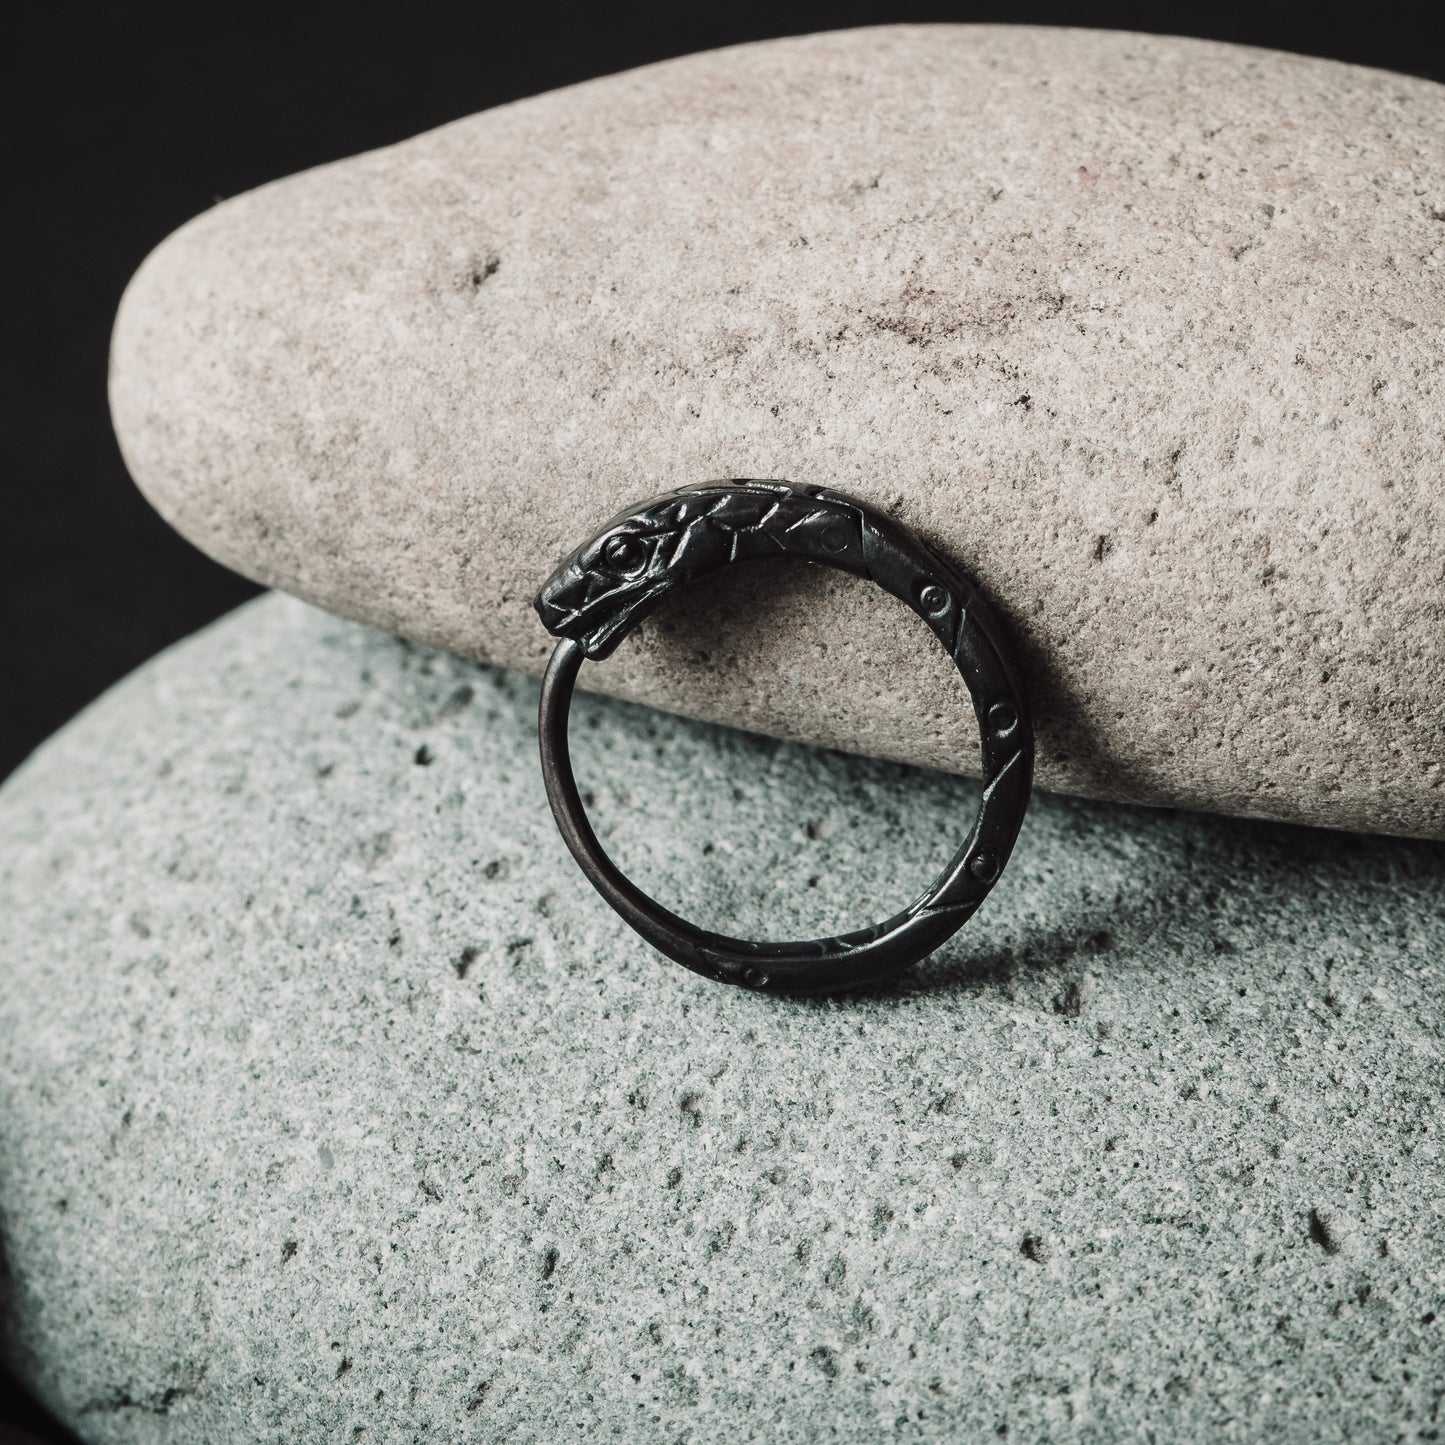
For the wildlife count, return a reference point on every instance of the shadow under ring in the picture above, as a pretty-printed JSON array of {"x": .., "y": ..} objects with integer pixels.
[{"x": 606, "y": 587}]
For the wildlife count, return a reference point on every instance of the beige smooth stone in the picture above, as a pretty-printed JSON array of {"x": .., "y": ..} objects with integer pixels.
[{"x": 1146, "y": 333}]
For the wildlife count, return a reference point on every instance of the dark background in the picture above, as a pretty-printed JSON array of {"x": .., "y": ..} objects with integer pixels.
[{"x": 126, "y": 121}]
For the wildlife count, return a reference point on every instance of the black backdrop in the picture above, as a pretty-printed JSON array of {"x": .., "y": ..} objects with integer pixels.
[{"x": 125, "y": 121}]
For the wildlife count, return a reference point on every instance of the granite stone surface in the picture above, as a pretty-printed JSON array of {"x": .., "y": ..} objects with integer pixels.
[
  {"x": 334, "y": 1105},
  {"x": 1144, "y": 332}
]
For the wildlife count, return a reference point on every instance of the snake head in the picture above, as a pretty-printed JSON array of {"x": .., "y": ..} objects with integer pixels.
[
  {"x": 617, "y": 577},
  {"x": 601, "y": 586}
]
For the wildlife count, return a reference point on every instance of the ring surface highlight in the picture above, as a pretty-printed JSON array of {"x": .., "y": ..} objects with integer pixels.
[{"x": 601, "y": 591}]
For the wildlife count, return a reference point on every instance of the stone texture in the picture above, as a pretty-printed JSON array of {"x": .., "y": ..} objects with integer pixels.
[
  {"x": 1145, "y": 332},
  {"x": 333, "y": 1104}
]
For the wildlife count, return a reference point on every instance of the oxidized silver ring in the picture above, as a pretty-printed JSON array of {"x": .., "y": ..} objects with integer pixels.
[{"x": 601, "y": 591}]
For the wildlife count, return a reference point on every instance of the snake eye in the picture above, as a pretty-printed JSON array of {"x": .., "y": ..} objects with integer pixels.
[{"x": 623, "y": 553}]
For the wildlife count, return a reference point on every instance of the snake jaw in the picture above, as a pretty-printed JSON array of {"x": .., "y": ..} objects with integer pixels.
[{"x": 600, "y": 639}]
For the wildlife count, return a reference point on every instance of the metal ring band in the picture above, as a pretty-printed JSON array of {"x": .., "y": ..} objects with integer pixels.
[{"x": 607, "y": 586}]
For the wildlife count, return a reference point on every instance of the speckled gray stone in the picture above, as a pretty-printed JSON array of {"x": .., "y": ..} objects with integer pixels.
[
  {"x": 1145, "y": 332},
  {"x": 334, "y": 1105}
]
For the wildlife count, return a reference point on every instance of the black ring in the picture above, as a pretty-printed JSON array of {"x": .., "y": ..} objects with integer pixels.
[{"x": 610, "y": 583}]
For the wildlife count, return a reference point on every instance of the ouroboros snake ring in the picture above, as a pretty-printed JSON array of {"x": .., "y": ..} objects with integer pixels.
[{"x": 607, "y": 586}]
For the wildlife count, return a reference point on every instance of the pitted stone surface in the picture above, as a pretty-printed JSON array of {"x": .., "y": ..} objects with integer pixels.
[
  {"x": 1143, "y": 332},
  {"x": 334, "y": 1105}
]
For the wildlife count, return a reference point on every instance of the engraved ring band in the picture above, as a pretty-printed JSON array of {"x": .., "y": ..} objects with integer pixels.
[{"x": 601, "y": 591}]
